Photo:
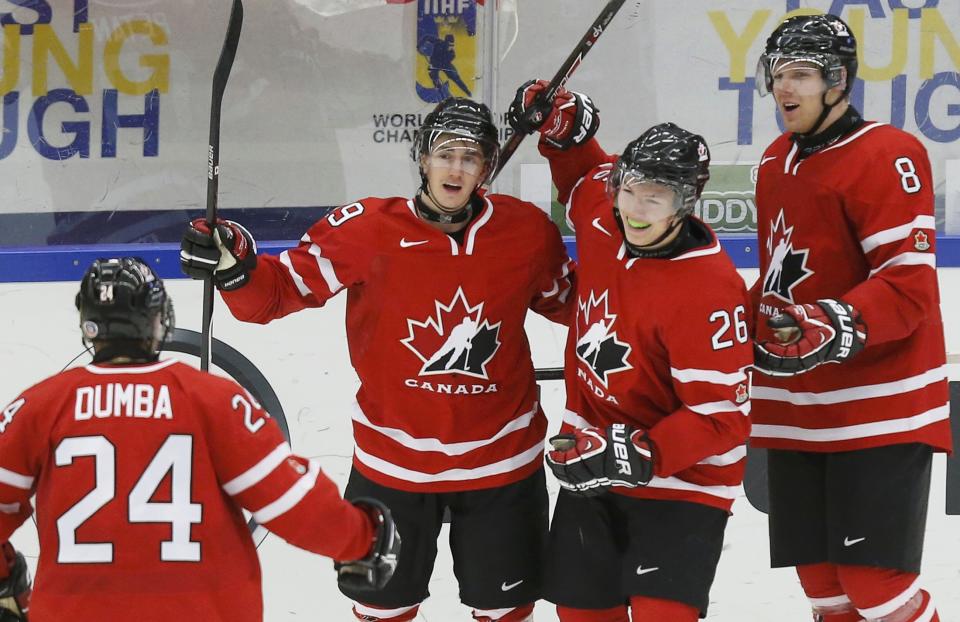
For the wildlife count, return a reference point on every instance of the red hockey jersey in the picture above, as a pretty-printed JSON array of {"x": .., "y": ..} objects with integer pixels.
[
  {"x": 448, "y": 399},
  {"x": 660, "y": 344},
  {"x": 853, "y": 221},
  {"x": 140, "y": 473}
]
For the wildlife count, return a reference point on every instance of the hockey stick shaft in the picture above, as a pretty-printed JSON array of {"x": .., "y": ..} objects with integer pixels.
[
  {"x": 220, "y": 76},
  {"x": 563, "y": 74}
]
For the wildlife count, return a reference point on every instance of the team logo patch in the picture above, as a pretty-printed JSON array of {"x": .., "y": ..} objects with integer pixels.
[
  {"x": 597, "y": 343},
  {"x": 455, "y": 339},
  {"x": 743, "y": 394},
  {"x": 921, "y": 241},
  {"x": 788, "y": 266},
  {"x": 446, "y": 49}
]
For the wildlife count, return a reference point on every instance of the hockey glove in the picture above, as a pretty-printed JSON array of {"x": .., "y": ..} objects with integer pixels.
[
  {"x": 228, "y": 253},
  {"x": 830, "y": 331},
  {"x": 15, "y": 585},
  {"x": 571, "y": 119},
  {"x": 591, "y": 460},
  {"x": 373, "y": 571}
]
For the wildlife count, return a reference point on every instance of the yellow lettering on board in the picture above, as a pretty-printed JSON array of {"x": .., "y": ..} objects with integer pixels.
[
  {"x": 159, "y": 64},
  {"x": 933, "y": 27},
  {"x": 11, "y": 58},
  {"x": 79, "y": 75},
  {"x": 738, "y": 45}
]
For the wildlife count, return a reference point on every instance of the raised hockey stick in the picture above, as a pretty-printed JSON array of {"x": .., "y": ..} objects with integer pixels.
[
  {"x": 563, "y": 74},
  {"x": 220, "y": 76}
]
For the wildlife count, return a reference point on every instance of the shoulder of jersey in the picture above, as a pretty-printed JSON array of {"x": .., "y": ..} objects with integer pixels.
[{"x": 507, "y": 207}]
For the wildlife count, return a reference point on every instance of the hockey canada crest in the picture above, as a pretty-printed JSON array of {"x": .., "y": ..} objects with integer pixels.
[
  {"x": 921, "y": 241},
  {"x": 597, "y": 344},
  {"x": 457, "y": 338},
  {"x": 788, "y": 266}
]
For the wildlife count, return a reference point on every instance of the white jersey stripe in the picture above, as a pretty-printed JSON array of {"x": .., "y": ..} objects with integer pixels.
[
  {"x": 556, "y": 282},
  {"x": 849, "y": 432},
  {"x": 452, "y": 475},
  {"x": 733, "y": 456},
  {"x": 433, "y": 444},
  {"x": 9, "y": 508},
  {"x": 107, "y": 370},
  {"x": 255, "y": 474},
  {"x": 326, "y": 270},
  {"x": 297, "y": 279},
  {"x": 675, "y": 483},
  {"x": 575, "y": 420},
  {"x": 895, "y": 234},
  {"x": 839, "y": 396},
  {"x": 290, "y": 498},
  {"x": 723, "y": 406},
  {"x": 908, "y": 259},
  {"x": 830, "y": 601},
  {"x": 708, "y": 375},
  {"x": 710, "y": 250},
  {"x": 475, "y": 227},
  {"x": 10, "y": 478}
]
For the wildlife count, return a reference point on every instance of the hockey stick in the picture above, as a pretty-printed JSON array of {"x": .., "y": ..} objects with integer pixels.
[
  {"x": 220, "y": 76},
  {"x": 560, "y": 78}
]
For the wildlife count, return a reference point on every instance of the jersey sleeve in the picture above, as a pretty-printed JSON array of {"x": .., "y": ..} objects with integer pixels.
[
  {"x": 286, "y": 493},
  {"x": 20, "y": 432},
  {"x": 708, "y": 344},
  {"x": 330, "y": 257},
  {"x": 892, "y": 214},
  {"x": 567, "y": 167},
  {"x": 553, "y": 298}
]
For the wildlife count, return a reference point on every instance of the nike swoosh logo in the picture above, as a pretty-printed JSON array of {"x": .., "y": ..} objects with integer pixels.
[
  {"x": 642, "y": 570},
  {"x": 405, "y": 244},
  {"x": 849, "y": 542},
  {"x": 767, "y": 159},
  {"x": 506, "y": 588},
  {"x": 596, "y": 225}
]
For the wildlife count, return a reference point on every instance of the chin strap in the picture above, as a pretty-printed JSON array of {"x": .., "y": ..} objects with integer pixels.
[
  {"x": 464, "y": 214},
  {"x": 648, "y": 251}
]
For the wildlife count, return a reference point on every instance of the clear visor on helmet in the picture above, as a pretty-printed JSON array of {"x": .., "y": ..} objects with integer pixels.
[
  {"x": 655, "y": 197},
  {"x": 456, "y": 152},
  {"x": 773, "y": 63}
]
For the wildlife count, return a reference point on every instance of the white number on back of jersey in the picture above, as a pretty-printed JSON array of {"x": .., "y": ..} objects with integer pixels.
[
  {"x": 176, "y": 454},
  {"x": 908, "y": 175},
  {"x": 724, "y": 336},
  {"x": 345, "y": 213}
]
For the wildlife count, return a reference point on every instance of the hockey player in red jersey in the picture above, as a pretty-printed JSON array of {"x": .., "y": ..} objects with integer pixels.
[
  {"x": 854, "y": 400},
  {"x": 652, "y": 450},
  {"x": 141, "y": 468},
  {"x": 447, "y": 414}
]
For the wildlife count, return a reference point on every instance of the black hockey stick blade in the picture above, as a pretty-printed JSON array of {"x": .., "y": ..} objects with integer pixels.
[
  {"x": 220, "y": 76},
  {"x": 563, "y": 74}
]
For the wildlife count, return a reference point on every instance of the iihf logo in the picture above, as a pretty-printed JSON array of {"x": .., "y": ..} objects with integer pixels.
[
  {"x": 788, "y": 266},
  {"x": 456, "y": 339},
  {"x": 597, "y": 343}
]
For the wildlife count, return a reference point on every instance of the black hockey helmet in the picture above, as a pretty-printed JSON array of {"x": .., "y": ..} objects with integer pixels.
[
  {"x": 669, "y": 155},
  {"x": 463, "y": 118},
  {"x": 124, "y": 299},
  {"x": 824, "y": 40}
]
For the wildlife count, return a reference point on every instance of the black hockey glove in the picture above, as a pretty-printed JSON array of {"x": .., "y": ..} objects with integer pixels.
[
  {"x": 591, "y": 460},
  {"x": 228, "y": 253},
  {"x": 15, "y": 585},
  {"x": 373, "y": 571},
  {"x": 570, "y": 119},
  {"x": 806, "y": 336}
]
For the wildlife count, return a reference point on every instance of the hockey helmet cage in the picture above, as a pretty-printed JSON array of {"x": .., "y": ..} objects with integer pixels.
[{"x": 463, "y": 118}]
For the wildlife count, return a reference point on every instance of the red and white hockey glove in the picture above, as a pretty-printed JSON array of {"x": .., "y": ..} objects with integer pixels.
[
  {"x": 373, "y": 571},
  {"x": 228, "y": 252},
  {"x": 591, "y": 460},
  {"x": 15, "y": 585},
  {"x": 571, "y": 119},
  {"x": 808, "y": 335}
]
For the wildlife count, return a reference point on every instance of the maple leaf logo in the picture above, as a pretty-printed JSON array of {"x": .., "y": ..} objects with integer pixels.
[
  {"x": 921, "y": 241},
  {"x": 788, "y": 266},
  {"x": 597, "y": 343},
  {"x": 455, "y": 339}
]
